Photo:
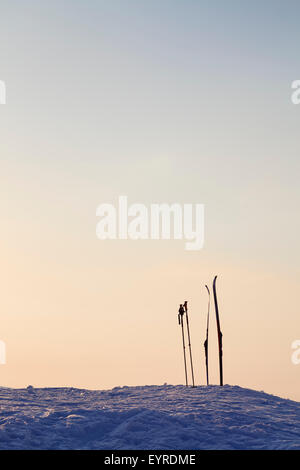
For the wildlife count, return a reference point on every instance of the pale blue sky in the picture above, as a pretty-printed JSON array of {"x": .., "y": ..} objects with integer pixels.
[{"x": 164, "y": 101}]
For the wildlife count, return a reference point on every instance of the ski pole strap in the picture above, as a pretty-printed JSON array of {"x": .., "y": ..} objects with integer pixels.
[
  {"x": 181, "y": 310},
  {"x": 180, "y": 313}
]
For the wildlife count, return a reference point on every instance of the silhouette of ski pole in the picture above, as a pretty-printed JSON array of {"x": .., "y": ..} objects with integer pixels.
[
  {"x": 180, "y": 321},
  {"x": 189, "y": 338},
  {"x": 206, "y": 341}
]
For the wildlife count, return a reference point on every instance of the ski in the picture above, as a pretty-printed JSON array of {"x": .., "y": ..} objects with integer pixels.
[
  {"x": 180, "y": 321},
  {"x": 219, "y": 332},
  {"x": 206, "y": 341},
  {"x": 189, "y": 338}
]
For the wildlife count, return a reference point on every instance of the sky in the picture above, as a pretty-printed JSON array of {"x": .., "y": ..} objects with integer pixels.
[{"x": 166, "y": 102}]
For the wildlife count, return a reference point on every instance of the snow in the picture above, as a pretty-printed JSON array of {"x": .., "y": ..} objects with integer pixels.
[{"x": 150, "y": 417}]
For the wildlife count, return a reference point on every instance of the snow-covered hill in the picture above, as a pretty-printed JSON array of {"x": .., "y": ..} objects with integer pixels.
[{"x": 150, "y": 417}]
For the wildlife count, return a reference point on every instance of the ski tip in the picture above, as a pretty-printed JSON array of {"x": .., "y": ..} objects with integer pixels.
[
  {"x": 207, "y": 288},
  {"x": 215, "y": 278}
]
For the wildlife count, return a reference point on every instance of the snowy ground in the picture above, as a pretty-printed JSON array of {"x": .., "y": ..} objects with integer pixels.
[{"x": 151, "y": 417}]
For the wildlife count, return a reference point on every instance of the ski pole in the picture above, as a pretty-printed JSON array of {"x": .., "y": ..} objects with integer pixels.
[
  {"x": 189, "y": 338},
  {"x": 219, "y": 332},
  {"x": 206, "y": 341},
  {"x": 180, "y": 321}
]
